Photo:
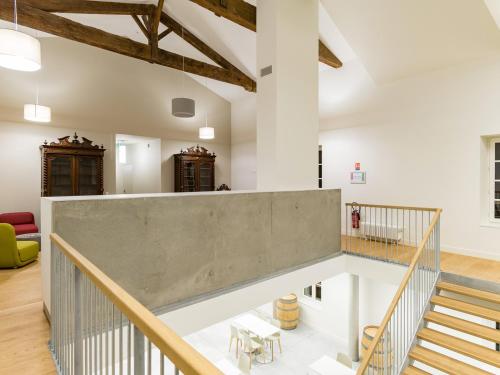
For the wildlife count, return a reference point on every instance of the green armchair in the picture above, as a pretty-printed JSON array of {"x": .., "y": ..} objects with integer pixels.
[{"x": 14, "y": 253}]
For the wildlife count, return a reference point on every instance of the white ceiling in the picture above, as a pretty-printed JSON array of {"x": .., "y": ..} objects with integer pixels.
[
  {"x": 379, "y": 41},
  {"x": 396, "y": 39}
]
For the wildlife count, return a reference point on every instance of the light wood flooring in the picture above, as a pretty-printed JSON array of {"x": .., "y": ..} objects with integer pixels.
[
  {"x": 24, "y": 331},
  {"x": 478, "y": 268}
]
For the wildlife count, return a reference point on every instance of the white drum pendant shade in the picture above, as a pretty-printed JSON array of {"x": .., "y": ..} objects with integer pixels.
[
  {"x": 207, "y": 133},
  {"x": 37, "y": 113},
  {"x": 19, "y": 51},
  {"x": 183, "y": 107}
]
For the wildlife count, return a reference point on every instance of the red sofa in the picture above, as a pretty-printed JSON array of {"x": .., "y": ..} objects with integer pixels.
[{"x": 23, "y": 222}]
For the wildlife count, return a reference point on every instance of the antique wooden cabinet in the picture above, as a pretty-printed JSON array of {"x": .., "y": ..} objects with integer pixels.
[
  {"x": 194, "y": 170},
  {"x": 72, "y": 167}
]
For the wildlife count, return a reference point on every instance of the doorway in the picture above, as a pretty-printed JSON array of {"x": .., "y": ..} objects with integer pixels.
[{"x": 138, "y": 164}]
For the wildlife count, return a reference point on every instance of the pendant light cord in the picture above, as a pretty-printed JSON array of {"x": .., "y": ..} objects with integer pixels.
[
  {"x": 206, "y": 109},
  {"x": 183, "y": 72},
  {"x": 15, "y": 13}
]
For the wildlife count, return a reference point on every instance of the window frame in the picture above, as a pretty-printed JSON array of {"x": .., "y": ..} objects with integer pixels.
[
  {"x": 492, "y": 199},
  {"x": 314, "y": 296}
]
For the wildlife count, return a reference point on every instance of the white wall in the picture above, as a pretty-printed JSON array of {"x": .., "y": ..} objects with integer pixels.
[
  {"x": 420, "y": 140},
  {"x": 378, "y": 282},
  {"x": 142, "y": 172},
  {"x": 20, "y": 164},
  {"x": 111, "y": 94},
  {"x": 420, "y": 143},
  {"x": 243, "y": 145}
]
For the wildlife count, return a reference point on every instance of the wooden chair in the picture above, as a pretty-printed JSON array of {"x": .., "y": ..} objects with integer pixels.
[
  {"x": 251, "y": 346},
  {"x": 235, "y": 335},
  {"x": 244, "y": 364},
  {"x": 344, "y": 359}
]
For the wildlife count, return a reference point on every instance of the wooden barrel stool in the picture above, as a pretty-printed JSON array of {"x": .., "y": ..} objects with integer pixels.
[
  {"x": 379, "y": 355},
  {"x": 287, "y": 312}
]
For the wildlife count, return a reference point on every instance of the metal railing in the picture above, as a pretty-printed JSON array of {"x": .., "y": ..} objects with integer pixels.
[
  {"x": 395, "y": 337},
  {"x": 98, "y": 328},
  {"x": 390, "y": 233}
]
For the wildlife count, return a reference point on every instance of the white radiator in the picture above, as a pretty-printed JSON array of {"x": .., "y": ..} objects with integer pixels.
[{"x": 380, "y": 232}]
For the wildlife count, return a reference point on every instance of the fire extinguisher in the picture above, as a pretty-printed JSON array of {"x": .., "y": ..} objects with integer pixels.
[{"x": 355, "y": 218}]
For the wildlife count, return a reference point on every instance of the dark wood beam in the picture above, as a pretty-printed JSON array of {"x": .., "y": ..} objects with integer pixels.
[
  {"x": 201, "y": 46},
  {"x": 141, "y": 26},
  {"x": 89, "y": 7},
  {"x": 238, "y": 11},
  {"x": 65, "y": 28},
  {"x": 154, "y": 24},
  {"x": 164, "y": 33},
  {"x": 327, "y": 57},
  {"x": 245, "y": 14}
]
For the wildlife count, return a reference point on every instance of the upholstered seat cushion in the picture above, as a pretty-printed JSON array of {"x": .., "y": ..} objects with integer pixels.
[
  {"x": 27, "y": 250},
  {"x": 25, "y": 228}
]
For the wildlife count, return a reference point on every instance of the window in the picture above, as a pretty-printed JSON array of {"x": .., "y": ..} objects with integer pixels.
[
  {"x": 495, "y": 180},
  {"x": 320, "y": 167},
  {"x": 313, "y": 291}
]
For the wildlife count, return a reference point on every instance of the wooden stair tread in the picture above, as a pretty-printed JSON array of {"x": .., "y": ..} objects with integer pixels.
[
  {"x": 464, "y": 347},
  {"x": 464, "y": 326},
  {"x": 467, "y": 308},
  {"x": 443, "y": 362},
  {"x": 410, "y": 370},
  {"x": 470, "y": 292}
]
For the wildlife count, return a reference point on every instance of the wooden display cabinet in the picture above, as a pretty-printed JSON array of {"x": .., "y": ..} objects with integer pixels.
[
  {"x": 194, "y": 170},
  {"x": 71, "y": 167}
]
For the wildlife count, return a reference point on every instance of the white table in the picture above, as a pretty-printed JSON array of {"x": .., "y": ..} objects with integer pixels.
[
  {"x": 327, "y": 365},
  {"x": 227, "y": 367},
  {"x": 256, "y": 325}
]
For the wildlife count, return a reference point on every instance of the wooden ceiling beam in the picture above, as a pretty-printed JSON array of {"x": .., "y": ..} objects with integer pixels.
[
  {"x": 164, "y": 33},
  {"x": 154, "y": 24},
  {"x": 65, "y": 28},
  {"x": 201, "y": 46},
  {"x": 89, "y": 7},
  {"x": 245, "y": 14},
  {"x": 141, "y": 26},
  {"x": 327, "y": 57},
  {"x": 238, "y": 11}
]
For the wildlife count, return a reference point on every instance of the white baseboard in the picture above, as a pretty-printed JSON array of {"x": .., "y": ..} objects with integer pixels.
[{"x": 470, "y": 252}]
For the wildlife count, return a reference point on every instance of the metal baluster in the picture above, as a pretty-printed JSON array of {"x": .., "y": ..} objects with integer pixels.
[
  {"x": 129, "y": 348},
  {"x": 162, "y": 364},
  {"x": 120, "y": 338},
  {"x": 78, "y": 324},
  {"x": 138, "y": 352},
  {"x": 113, "y": 339},
  {"x": 149, "y": 358}
]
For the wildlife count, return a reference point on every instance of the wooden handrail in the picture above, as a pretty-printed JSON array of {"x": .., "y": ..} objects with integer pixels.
[
  {"x": 184, "y": 356},
  {"x": 362, "y": 368},
  {"x": 430, "y": 209}
]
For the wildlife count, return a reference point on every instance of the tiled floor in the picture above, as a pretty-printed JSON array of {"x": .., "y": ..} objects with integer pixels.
[{"x": 301, "y": 347}]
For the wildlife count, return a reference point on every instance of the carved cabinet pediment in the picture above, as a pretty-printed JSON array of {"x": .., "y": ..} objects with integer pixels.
[{"x": 194, "y": 170}]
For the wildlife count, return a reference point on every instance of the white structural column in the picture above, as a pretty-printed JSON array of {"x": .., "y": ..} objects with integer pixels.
[
  {"x": 287, "y": 96},
  {"x": 353, "y": 313}
]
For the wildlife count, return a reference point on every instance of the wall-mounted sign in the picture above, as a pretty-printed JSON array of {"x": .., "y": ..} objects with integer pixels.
[{"x": 358, "y": 177}]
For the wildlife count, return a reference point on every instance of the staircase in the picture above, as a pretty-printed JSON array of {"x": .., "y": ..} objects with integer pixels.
[{"x": 451, "y": 340}]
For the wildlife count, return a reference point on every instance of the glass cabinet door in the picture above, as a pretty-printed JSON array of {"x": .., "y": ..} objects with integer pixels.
[
  {"x": 189, "y": 173},
  {"x": 206, "y": 183},
  {"x": 88, "y": 183},
  {"x": 61, "y": 176}
]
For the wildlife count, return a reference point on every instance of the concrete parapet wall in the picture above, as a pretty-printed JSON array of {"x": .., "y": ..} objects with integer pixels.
[{"x": 168, "y": 248}]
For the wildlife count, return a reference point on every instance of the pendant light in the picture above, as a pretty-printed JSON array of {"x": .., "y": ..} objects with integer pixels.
[
  {"x": 36, "y": 112},
  {"x": 19, "y": 51},
  {"x": 183, "y": 107},
  {"x": 206, "y": 132}
]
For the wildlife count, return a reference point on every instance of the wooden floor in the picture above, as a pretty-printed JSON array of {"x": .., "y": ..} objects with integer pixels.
[
  {"x": 478, "y": 268},
  {"x": 24, "y": 331}
]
